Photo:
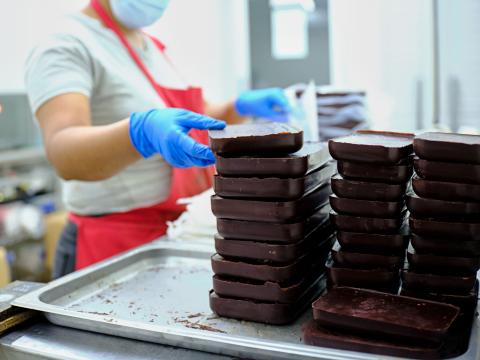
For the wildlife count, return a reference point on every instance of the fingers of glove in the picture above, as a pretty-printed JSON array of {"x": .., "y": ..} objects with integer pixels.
[
  {"x": 195, "y": 153},
  {"x": 278, "y": 101},
  {"x": 191, "y": 120}
]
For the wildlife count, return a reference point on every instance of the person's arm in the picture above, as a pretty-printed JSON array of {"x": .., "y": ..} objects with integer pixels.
[{"x": 226, "y": 112}]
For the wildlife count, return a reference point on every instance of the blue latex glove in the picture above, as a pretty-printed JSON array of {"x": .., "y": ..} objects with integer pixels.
[
  {"x": 164, "y": 131},
  {"x": 266, "y": 103}
]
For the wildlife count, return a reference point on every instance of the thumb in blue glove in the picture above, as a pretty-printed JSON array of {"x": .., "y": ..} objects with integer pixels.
[
  {"x": 165, "y": 131},
  {"x": 266, "y": 103}
]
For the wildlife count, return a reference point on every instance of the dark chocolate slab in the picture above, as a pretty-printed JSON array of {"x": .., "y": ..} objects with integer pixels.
[
  {"x": 442, "y": 246},
  {"x": 392, "y": 174},
  {"x": 446, "y": 190},
  {"x": 272, "y": 232},
  {"x": 374, "y": 243},
  {"x": 445, "y": 284},
  {"x": 271, "y": 211},
  {"x": 442, "y": 264},
  {"x": 278, "y": 253},
  {"x": 372, "y": 147},
  {"x": 459, "y": 231},
  {"x": 256, "y": 138},
  {"x": 365, "y": 190},
  {"x": 362, "y": 224},
  {"x": 447, "y": 171},
  {"x": 376, "y": 313},
  {"x": 347, "y": 259},
  {"x": 310, "y": 157},
  {"x": 368, "y": 208},
  {"x": 273, "y": 188},
  {"x": 423, "y": 207},
  {"x": 448, "y": 147}
]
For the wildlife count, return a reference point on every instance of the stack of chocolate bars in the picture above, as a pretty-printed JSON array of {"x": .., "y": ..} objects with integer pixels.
[
  {"x": 369, "y": 209},
  {"x": 444, "y": 255},
  {"x": 274, "y": 234}
]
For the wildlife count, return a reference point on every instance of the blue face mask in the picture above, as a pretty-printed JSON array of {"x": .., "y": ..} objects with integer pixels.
[{"x": 135, "y": 14}]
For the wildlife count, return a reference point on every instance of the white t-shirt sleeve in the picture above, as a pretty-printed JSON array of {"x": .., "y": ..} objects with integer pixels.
[{"x": 59, "y": 66}]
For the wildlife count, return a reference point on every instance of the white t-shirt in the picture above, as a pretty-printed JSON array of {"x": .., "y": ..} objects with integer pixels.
[{"x": 87, "y": 58}]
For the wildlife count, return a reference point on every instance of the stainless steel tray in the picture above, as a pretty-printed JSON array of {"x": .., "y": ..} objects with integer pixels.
[{"x": 159, "y": 293}]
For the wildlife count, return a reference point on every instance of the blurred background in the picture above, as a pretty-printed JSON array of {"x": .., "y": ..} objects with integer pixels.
[{"x": 403, "y": 65}]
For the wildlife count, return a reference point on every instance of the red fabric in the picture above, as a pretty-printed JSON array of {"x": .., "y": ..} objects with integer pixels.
[{"x": 101, "y": 237}]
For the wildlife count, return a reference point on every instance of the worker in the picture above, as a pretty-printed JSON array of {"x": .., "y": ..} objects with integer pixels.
[{"x": 122, "y": 128}]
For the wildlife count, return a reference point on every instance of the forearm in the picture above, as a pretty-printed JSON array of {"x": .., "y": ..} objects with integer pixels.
[
  {"x": 91, "y": 153},
  {"x": 225, "y": 111}
]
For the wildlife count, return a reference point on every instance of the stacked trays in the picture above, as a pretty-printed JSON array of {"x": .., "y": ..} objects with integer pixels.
[
  {"x": 444, "y": 254},
  {"x": 274, "y": 234},
  {"x": 368, "y": 209}
]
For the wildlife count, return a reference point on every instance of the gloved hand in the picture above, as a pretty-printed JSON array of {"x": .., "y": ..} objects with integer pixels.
[
  {"x": 266, "y": 103},
  {"x": 164, "y": 131}
]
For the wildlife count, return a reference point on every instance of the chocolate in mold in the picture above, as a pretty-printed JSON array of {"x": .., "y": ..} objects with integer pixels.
[
  {"x": 391, "y": 174},
  {"x": 367, "y": 208},
  {"x": 443, "y": 190},
  {"x": 447, "y": 171},
  {"x": 367, "y": 190}
]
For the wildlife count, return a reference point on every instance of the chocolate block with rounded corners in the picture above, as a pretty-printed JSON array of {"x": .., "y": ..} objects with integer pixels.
[
  {"x": 367, "y": 208},
  {"x": 391, "y": 174},
  {"x": 376, "y": 313},
  {"x": 363, "y": 224},
  {"x": 271, "y": 211},
  {"x": 445, "y": 284},
  {"x": 374, "y": 243},
  {"x": 310, "y": 157},
  {"x": 445, "y": 229},
  {"x": 447, "y": 171},
  {"x": 442, "y": 264},
  {"x": 445, "y": 147},
  {"x": 450, "y": 247},
  {"x": 282, "y": 189},
  {"x": 256, "y": 138},
  {"x": 366, "y": 190},
  {"x": 275, "y": 253},
  {"x": 423, "y": 207},
  {"x": 449, "y": 191},
  {"x": 346, "y": 259},
  {"x": 377, "y": 147},
  {"x": 286, "y": 233}
]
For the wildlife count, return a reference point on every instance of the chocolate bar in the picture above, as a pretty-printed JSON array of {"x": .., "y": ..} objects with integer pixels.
[
  {"x": 273, "y": 188},
  {"x": 439, "y": 246},
  {"x": 372, "y": 147},
  {"x": 279, "y": 253},
  {"x": 256, "y": 138},
  {"x": 362, "y": 224},
  {"x": 271, "y": 211},
  {"x": 374, "y": 243},
  {"x": 367, "y": 208},
  {"x": 272, "y": 232},
  {"x": 445, "y": 147},
  {"x": 447, "y": 171},
  {"x": 365, "y": 190},
  {"x": 447, "y": 284},
  {"x": 460, "y": 231},
  {"x": 376, "y": 313},
  {"x": 442, "y": 190},
  {"x": 442, "y": 264},
  {"x": 392, "y": 174},
  {"x": 347, "y": 259},
  {"x": 423, "y": 207},
  {"x": 310, "y": 157}
]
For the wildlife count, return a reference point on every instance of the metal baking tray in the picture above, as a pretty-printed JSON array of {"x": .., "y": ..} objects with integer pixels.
[{"x": 159, "y": 293}]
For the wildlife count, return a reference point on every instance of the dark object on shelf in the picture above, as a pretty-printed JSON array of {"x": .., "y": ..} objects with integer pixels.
[
  {"x": 423, "y": 207},
  {"x": 392, "y": 174},
  {"x": 365, "y": 190},
  {"x": 438, "y": 146},
  {"x": 447, "y": 171},
  {"x": 272, "y": 232},
  {"x": 346, "y": 259},
  {"x": 459, "y": 231},
  {"x": 381, "y": 314},
  {"x": 445, "y": 246},
  {"x": 367, "y": 208},
  {"x": 369, "y": 146},
  {"x": 444, "y": 284},
  {"x": 366, "y": 224},
  {"x": 441, "y": 264},
  {"x": 273, "y": 188},
  {"x": 310, "y": 157},
  {"x": 442, "y": 190},
  {"x": 374, "y": 243},
  {"x": 256, "y": 138},
  {"x": 271, "y": 211}
]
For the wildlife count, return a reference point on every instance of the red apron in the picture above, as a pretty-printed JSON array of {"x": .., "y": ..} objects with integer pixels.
[{"x": 101, "y": 237}]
